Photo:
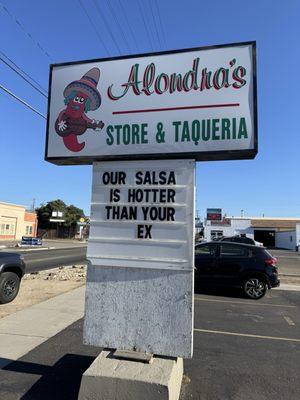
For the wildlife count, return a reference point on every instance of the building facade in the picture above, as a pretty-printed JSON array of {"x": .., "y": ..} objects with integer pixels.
[
  {"x": 272, "y": 232},
  {"x": 16, "y": 222}
]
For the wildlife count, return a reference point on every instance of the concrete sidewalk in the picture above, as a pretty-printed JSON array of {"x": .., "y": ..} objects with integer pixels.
[{"x": 24, "y": 330}]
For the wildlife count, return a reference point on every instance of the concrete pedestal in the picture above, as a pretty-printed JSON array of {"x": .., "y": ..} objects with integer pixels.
[
  {"x": 112, "y": 379},
  {"x": 146, "y": 310}
]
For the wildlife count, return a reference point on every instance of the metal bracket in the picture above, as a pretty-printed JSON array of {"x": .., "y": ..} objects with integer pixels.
[{"x": 146, "y": 358}]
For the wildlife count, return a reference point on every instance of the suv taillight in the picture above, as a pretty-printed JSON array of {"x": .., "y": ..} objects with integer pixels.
[{"x": 271, "y": 261}]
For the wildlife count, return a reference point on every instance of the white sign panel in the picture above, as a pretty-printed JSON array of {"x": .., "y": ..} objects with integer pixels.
[
  {"x": 142, "y": 214},
  {"x": 198, "y": 103}
]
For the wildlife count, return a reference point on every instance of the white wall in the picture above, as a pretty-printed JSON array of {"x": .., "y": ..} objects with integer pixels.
[
  {"x": 237, "y": 227},
  {"x": 286, "y": 240},
  {"x": 298, "y": 236}
]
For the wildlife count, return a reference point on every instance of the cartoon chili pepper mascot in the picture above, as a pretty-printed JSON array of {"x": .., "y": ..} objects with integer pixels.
[{"x": 80, "y": 97}]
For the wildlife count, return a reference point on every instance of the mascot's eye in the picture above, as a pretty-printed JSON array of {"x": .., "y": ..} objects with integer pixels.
[
  {"x": 81, "y": 100},
  {"x": 76, "y": 99}
]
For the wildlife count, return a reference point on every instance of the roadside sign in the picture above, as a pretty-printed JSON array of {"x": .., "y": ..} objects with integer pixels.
[
  {"x": 174, "y": 107},
  {"x": 214, "y": 214},
  {"x": 57, "y": 214},
  {"x": 195, "y": 103},
  {"x": 142, "y": 214}
]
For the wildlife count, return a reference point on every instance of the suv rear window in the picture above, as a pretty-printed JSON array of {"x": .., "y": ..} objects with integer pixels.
[
  {"x": 243, "y": 240},
  {"x": 207, "y": 249},
  {"x": 266, "y": 253},
  {"x": 228, "y": 250}
]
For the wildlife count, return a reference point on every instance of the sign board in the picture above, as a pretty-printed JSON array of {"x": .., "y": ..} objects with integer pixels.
[
  {"x": 224, "y": 222},
  {"x": 214, "y": 214},
  {"x": 142, "y": 214},
  {"x": 58, "y": 214},
  {"x": 195, "y": 103}
]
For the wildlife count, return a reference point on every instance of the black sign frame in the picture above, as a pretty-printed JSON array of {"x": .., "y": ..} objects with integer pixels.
[{"x": 198, "y": 156}]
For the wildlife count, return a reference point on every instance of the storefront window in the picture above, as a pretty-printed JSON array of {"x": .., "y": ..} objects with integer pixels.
[{"x": 28, "y": 230}]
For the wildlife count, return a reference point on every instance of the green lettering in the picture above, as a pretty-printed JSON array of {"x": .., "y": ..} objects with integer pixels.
[
  {"x": 242, "y": 129},
  {"x": 144, "y": 133},
  {"x": 110, "y": 138},
  {"x": 185, "y": 132},
  {"x": 176, "y": 124},
  {"x": 225, "y": 128},
  {"x": 215, "y": 129}
]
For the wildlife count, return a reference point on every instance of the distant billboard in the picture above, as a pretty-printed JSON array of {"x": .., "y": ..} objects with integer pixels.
[
  {"x": 57, "y": 214},
  {"x": 214, "y": 214}
]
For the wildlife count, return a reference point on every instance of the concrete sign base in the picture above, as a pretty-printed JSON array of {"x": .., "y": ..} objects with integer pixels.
[
  {"x": 147, "y": 310},
  {"x": 111, "y": 379}
]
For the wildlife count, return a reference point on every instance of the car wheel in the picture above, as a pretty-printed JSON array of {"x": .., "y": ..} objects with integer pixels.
[
  {"x": 9, "y": 287},
  {"x": 255, "y": 288}
]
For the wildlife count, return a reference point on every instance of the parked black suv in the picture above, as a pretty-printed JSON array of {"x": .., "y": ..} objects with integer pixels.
[
  {"x": 251, "y": 268},
  {"x": 12, "y": 269},
  {"x": 240, "y": 239}
]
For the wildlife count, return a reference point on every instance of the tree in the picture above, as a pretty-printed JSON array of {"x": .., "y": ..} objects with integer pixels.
[{"x": 71, "y": 214}]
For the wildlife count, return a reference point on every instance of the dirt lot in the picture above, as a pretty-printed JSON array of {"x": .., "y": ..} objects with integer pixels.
[{"x": 40, "y": 286}]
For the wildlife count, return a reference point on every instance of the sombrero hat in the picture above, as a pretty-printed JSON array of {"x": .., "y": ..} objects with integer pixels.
[{"x": 88, "y": 85}]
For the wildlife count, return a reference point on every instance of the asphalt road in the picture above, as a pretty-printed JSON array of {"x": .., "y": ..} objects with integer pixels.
[
  {"x": 243, "y": 350},
  {"x": 45, "y": 259},
  {"x": 37, "y": 260},
  {"x": 288, "y": 261}
]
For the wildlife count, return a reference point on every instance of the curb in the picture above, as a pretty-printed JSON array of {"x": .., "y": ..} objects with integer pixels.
[
  {"x": 27, "y": 250},
  {"x": 289, "y": 287}
]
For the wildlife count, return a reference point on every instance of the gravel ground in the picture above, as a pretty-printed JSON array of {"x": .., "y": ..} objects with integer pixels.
[{"x": 39, "y": 286}]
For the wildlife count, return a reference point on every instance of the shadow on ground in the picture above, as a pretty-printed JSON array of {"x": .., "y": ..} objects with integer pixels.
[
  {"x": 60, "y": 381},
  {"x": 220, "y": 291}
]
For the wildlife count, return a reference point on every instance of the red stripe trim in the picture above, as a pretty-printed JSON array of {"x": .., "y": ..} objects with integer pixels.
[{"x": 177, "y": 108}]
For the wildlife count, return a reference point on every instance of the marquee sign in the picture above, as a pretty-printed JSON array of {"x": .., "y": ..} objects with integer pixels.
[
  {"x": 142, "y": 215},
  {"x": 214, "y": 214},
  {"x": 198, "y": 103}
]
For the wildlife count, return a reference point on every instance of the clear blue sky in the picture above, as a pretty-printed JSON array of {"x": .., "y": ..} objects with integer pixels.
[{"x": 268, "y": 184}]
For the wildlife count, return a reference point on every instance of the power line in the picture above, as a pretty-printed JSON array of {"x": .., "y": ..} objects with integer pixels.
[
  {"x": 23, "y": 77},
  {"x": 118, "y": 24},
  {"x": 151, "y": 27},
  {"x": 20, "y": 69},
  {"x": 107, "y": 26},
  {"x": 94, "y": 26},
  {"x": 21, "y": 26},
  {"x": 160, "y": 23},
  {"x": 21, "y": 101},
  {"x": 155, "y": 26},
  {"x": 145, "y": 25},
  {"x": 128, "y": 23}
]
